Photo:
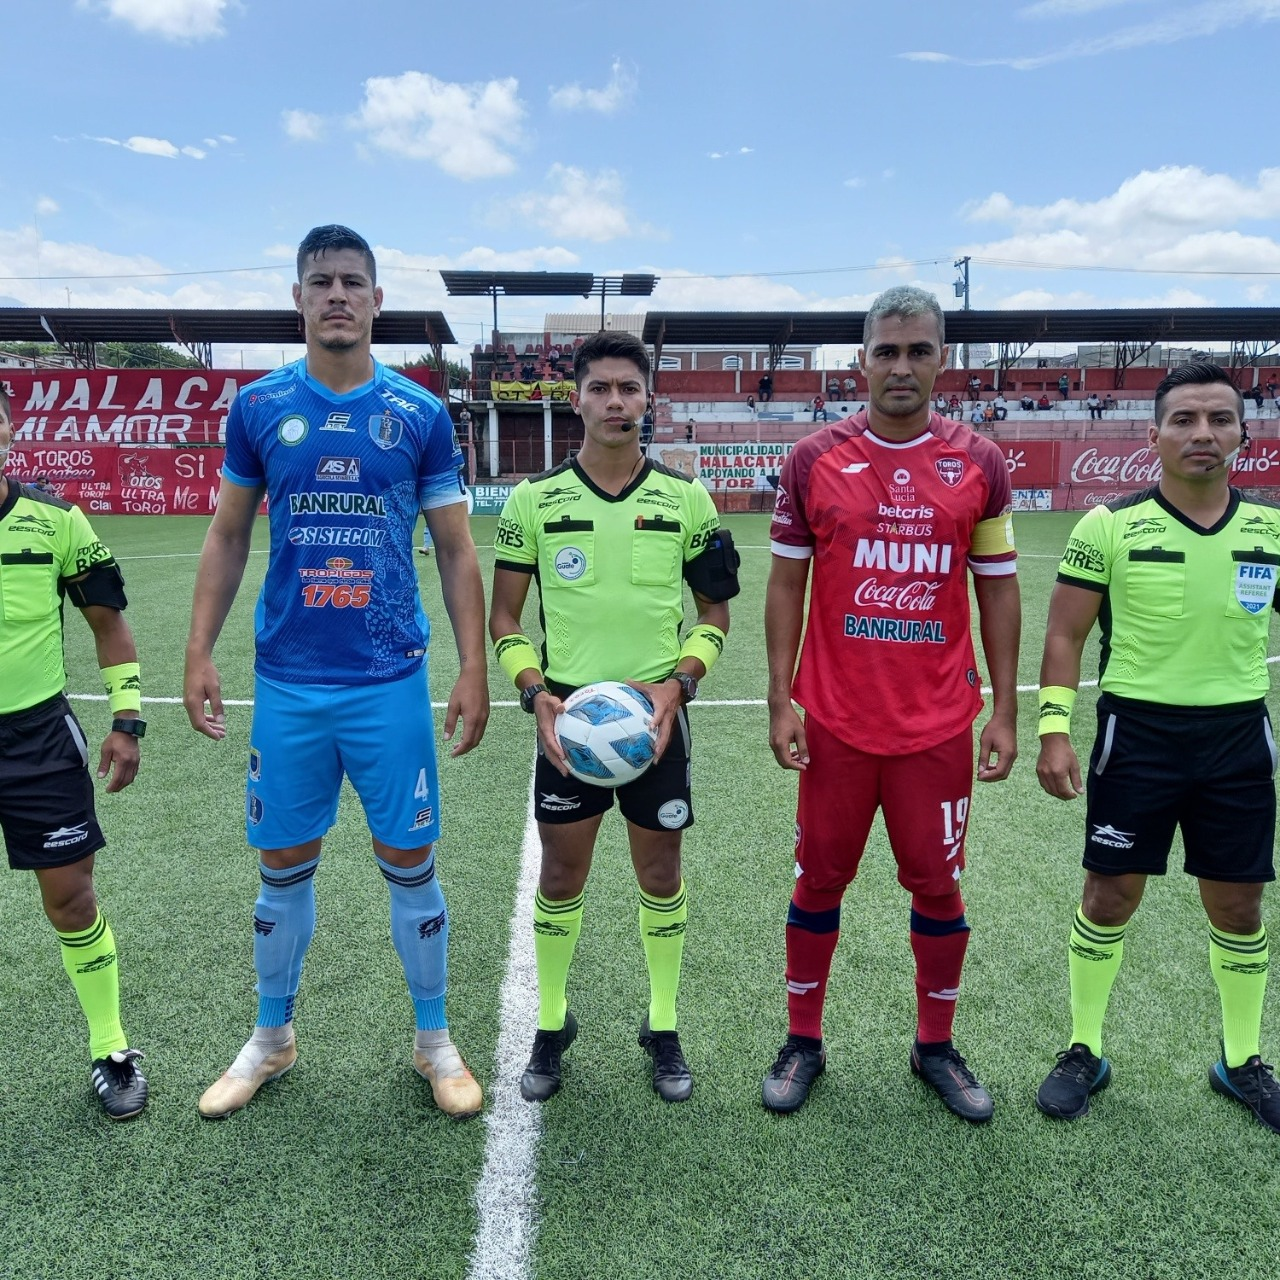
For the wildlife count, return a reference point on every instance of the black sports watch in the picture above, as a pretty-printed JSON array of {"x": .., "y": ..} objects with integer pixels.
[
  {"x": 688, "y": 684},
  {"x": 134, "y": 728},
  {"x": 527, "y": 695}
]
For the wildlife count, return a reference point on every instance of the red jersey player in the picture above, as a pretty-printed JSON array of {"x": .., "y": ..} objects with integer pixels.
[{"x": 891, "y": 507}]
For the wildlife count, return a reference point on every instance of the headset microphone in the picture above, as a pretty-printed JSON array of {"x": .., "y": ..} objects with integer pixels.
[
  {"x": 1230, "y": 460},
  {"x": 628, "y": 425}
]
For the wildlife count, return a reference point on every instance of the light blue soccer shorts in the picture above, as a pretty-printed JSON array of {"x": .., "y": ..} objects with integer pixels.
[{"x": 306, "y": 736}]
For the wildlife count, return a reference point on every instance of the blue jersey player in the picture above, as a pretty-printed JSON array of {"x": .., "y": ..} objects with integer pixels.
[{"x": 348, "y": 453}]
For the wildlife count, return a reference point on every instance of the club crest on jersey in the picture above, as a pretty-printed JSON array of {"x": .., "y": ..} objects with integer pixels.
[
  {"x": 1256, "y": 585},
  {"x": 949, "y": 471},
  {"x": 293, "y": 429},
  {"x": 385, "y": 430}
]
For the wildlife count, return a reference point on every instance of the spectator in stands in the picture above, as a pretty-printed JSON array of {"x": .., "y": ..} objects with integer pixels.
[
  {"x": 940, "y": 405},
  {"x": 689, "y": 428},
  {"x": 765, "y": 387},
  {"x": 979, "y": 414},
  {"x": 1108, "y": 401},
  {"x": 1000, "y": 406},
  {"x": 751, "y": 405},
  {"x": 850, "y": 387},
  {"x": 833, "y": 388},
  {"x": 1256, "y": 396},
  {"x": 1028, "y": 403},
  {"x": 975, "y": 388},
  {"x": 988, "y": 412},
  {"x": 819, "y": 407},
  {"x": 1094, "y": 405},
  {"x": 1043, "y": 402},
  {"x": 1064, "y": 386},
  {"x": 464, "y": 423},
  {"x": 954, "y": 407}
]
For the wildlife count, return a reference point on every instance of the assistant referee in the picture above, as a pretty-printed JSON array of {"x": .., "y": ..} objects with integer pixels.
[
  {"x": 1182, "y": 579},
  {"x": 48, "y": 551}
]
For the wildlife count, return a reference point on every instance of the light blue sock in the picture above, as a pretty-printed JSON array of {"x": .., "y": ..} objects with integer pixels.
[
  {"x": 420, "y": 931},
  {"x": 284, "y": 918}
]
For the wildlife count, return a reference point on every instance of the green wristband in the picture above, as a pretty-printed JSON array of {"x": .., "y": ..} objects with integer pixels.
[
  {"x": 123, "y": 684},
  {"x": 1056, "y": 702},
  {"x": 516, "y": 654},
  {"x": 703, "y": 642}
]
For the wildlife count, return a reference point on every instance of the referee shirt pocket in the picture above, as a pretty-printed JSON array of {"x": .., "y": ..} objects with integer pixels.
[
  {"x": 28, "y": 586},
  {"x": 1156, "y": 582},
  {"x": 657, "y": 548}
]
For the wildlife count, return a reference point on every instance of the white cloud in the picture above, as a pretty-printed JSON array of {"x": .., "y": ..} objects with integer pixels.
[
  {"x": 1071, "y": 8},
  {"x": 210, "y": 142},
  {"x": 151, "y": 147},
  {"x": 617, "y": 93},
  {"x": 302, "y": 126},
  {"x": 737, "y": 151},
  {"x": 578, "y": 205},
  {"x": 715, "y": 155},
  {"x": 169, "y": 19},
  {"x": 194, "y": 152},
  {"x": 1198, "y": 21},
  {"x": 466, "y": 129},
  {"x": 46, "y": 206},
  {"x": 854, "y": 183},
  {"x": 225, "y": 137},
  {"x": 1177, "y": 219}
]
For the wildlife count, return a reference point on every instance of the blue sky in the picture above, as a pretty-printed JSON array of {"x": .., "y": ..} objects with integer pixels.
[{"x": 749, "y": 154}]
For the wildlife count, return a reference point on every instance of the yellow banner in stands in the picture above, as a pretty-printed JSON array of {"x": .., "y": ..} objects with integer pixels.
[{"x": 531, "y": 390}]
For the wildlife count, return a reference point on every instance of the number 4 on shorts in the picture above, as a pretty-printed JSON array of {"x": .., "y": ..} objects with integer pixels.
[{"x": 423, "y": 790}]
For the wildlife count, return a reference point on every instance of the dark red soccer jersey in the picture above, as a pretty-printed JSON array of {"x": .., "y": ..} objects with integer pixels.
[{"x": 888, "y": 663}]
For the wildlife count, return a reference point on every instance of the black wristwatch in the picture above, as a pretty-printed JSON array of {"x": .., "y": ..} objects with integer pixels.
[
  {"x": 134, "y": 728},
  {"x": 527, "y": 695},
  {"x": 688, "y": 684}
]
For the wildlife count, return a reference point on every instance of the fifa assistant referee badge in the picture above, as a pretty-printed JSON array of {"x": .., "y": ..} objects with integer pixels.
[
  {"x": 134, "y": 728},
  {"x": 527, "y": 695}
]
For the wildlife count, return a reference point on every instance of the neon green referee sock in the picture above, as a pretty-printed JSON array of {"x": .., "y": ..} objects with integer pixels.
[
  {"x": 556, "y": 926},
  {"x": 1239, "y": 964},
  {"x": 662, "y": 925},
  {"x": 89, "y": 957},
  {"x": 1095, "y": 953}
]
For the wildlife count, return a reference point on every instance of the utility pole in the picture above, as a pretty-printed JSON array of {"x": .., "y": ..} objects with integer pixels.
[{"x": 961, "y": 287}]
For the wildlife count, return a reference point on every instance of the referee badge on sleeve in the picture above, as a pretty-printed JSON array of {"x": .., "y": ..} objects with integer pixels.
[{"x": 1255, "y": 585}]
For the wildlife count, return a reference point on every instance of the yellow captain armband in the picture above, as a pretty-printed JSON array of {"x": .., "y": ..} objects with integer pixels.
[
  {"x": 515, "y": 654},
  {"x": 1056, "y": 702},
  {"x": 123, "y": 684},
  {"x": 703, "y": 642}
]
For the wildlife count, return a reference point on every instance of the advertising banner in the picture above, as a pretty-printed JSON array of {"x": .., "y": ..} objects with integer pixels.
[
  {"x": 1033, "y": 499},
  {"x": 122, "y": 406},
  {"x": 1032, "y": 464},
  {"x": 531, "y": 390},
  {"x": 124, "y": 481},
  {"x": 739, "y": 466},
  {"x": 489, "y": 499}
]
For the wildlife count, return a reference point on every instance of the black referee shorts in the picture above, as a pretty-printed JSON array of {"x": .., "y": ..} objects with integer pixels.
[
  {"x": 660, "y": 799},
  {"x": 46, "y": 793},
  {"x": 1208, "y": 770}
]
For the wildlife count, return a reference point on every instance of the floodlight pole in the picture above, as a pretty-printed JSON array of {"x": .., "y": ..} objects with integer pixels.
[{"x": 962, "y": 292}]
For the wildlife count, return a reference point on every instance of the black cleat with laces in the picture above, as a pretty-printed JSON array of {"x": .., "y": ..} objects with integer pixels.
[
  {"x": 672, "y": 1079},
  {"x": 1253, "y": 1085},
  {"x": 800, "y": 1061},
  {"x": 541, "y": 1077},
  {"x": 943, "y": 1069},
  {"x": 120, "y": 1086},
  {"x": 1066, "y": 1090}
]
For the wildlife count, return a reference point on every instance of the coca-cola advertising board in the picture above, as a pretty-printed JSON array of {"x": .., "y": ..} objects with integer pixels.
[{"x": 1107, "y": 465}]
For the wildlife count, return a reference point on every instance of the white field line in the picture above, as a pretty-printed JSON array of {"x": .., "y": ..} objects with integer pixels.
[
  {"x": 505, "y": 1192},
  {"x": 439, "y": 706}
]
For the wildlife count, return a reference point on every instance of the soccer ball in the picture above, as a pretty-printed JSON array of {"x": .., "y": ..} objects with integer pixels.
[{"x": 604, "y": 733}]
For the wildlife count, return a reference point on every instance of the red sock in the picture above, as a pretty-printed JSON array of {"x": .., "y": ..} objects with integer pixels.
[
  {"x": 813, "y": 929},
  {"x": 939, "y": 936}
]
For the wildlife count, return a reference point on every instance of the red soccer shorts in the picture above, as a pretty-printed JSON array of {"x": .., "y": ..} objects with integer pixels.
[{"x": 925, "y": 799}]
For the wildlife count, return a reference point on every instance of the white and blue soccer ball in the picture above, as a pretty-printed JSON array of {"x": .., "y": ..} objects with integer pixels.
[{"x": 605, "y": 734}]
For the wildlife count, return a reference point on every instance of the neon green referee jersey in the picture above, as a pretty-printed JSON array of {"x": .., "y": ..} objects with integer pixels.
[
  {"x": 1185, "y": 610},
  {"x": 43, "y": 542},
  {"x": 609, "y": 568}
]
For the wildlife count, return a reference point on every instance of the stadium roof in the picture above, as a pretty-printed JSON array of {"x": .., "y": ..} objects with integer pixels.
[
  {"x": 1139, "y": 325},
  {"x": 523, "y": 284},
  {"x": 78, "y": 328}
]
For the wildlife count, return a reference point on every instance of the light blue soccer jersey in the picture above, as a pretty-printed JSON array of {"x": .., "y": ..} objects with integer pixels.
[{"x": 346, "y": 476}]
